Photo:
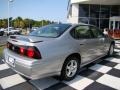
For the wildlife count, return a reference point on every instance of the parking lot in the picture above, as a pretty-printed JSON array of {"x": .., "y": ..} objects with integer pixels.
[
  {"x": 104, "y": 75},
  {"x": 3, "y": 40}
]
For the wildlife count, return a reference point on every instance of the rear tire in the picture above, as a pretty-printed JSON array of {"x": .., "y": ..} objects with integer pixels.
[
  {"x": 70, "y": 68},
  {"x": 111, "y": 49}
]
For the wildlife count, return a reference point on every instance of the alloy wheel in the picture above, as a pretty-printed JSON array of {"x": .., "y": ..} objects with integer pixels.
[{"x": 71, "y": 68}]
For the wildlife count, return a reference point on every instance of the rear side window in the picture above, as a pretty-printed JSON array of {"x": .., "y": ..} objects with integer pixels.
[
  {"x": 51, "y": 31},
  {"x": 96, "y": 32},
  {"x": 81, "y": 32}
]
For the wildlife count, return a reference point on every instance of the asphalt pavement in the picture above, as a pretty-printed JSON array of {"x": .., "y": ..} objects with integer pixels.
[{"x": 3, "y": 40}]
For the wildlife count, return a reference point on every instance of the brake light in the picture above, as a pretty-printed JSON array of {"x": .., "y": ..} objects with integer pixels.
[
  {"x": 30, "y": 52},
  {"x": 22, "y": 50}
]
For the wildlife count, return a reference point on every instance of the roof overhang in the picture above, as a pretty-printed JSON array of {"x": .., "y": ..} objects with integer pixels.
[{"x": 102, "y": 2}]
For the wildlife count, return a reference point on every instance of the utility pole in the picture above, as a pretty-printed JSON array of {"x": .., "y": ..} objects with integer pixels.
[{"x": 9, "y": 13}]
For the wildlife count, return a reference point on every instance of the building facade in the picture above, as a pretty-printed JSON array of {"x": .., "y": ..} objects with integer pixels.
[{"x": 95, "y": 12}]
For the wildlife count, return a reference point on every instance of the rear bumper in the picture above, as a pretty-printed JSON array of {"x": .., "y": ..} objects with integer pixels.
[
  {"x": 29, "y": 68},
  {"x": 25, "y": 71}
]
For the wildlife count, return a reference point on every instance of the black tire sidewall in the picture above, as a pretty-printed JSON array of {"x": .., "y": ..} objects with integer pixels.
[{"x": 112, "y": 45}]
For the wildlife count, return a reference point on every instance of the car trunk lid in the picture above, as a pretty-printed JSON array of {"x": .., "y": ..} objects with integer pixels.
[{"x": 30, "y": 39}]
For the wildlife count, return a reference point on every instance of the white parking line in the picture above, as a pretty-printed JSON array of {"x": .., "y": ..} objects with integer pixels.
[
  {"x": 117, "y": 67},
  {"x": 79, "y": 82},
  {"x": 3, "y": 67},
  {"x": 117, "y": 50},
  {"x": 44, "y": 82},
  {"x": 113, "y": 60},
  {"x": 110, "y": 81},
  {"x": 11, "y": 81},
  {"x": 101, "y": 68}
]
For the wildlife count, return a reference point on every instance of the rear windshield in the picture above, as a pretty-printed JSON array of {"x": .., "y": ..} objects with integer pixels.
[{"x": 52, "y": 31}]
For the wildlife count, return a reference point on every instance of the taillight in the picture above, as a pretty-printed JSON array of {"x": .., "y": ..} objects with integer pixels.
[
  {"x": 30, "y": 52},
  {"x": 22, "y": 50}
]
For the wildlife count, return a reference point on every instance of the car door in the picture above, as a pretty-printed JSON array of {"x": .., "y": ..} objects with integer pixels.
[
  {"x": 85, "y": 39},
  {"x": 100, "y": 39}
]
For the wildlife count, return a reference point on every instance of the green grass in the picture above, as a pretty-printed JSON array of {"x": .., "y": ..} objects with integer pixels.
[{"x": 1, "y": 49}]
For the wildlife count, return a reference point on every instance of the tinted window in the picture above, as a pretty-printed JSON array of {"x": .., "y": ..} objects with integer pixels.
[
  {"x": 84, "y": 20},
  {"x": 97, "y": 15},
  {"x": 81, "y": 32},
  {"x": 53, "y": 30},
  {"x": 104, "y": 23},
  {"x": 96, "y": 32},
  {"x": 115, "y": 10},
  {"x": 94, "y": 11},
  {"x": 83, "y": 10},
  {"x": 105, "y": 11},
  {"x": 94, "y": 22}
]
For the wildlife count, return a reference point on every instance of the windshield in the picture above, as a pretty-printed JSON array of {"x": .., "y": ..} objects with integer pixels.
[{"x": 53, "y": 30}]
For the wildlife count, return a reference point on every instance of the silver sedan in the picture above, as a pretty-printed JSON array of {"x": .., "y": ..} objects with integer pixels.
[{"x": 57, "y": 49}]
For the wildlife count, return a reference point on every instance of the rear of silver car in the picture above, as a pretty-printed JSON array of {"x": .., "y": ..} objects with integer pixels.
[
  {"x": 59, "y": 49},
  {"x": 18, "y": 55},
  {"x": 34, "y": 55}
]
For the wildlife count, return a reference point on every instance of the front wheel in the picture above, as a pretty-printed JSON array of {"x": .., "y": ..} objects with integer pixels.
[
  {"x": 111, "y": 50},
  {"x": 70, "y": 68}
]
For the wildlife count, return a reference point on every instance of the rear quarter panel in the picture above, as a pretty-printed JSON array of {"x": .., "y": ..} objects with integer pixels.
[{"x": 55, "y": 52}]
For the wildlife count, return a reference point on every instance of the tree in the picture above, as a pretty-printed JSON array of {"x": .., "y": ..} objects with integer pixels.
[
  {"x": 17, "y": 22},
  {"x": 23, "y": 23},
  {"x": 0, "y": 23},
  {"x": 4, "y": 23},
  {"x": 27, "y": 23}
]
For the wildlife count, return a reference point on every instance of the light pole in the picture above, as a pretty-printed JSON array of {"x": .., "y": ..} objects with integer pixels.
[{"x": 9, "y": 13}]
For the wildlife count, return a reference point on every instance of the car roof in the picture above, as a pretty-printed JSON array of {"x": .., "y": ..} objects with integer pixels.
[
  {"x": 75, "y": 24},
  {"x": 83, "y": 24}
]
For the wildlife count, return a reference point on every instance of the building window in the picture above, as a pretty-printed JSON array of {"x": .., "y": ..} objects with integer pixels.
[
  {"x": 84, "y": 20},
  {"x": 115, "y": 10},
  {"x": 83, "y": 10},
  {"x": 104, "y": 23},
  {"x": 94, "y": 21},
  {"x": 97, "y": 15},
  {"x": 105, "y": 11},
  {"x": 94, "y": 11}
]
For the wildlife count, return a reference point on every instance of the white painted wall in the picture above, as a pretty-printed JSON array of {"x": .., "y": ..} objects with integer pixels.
[{"x": 73, "y": 18}]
